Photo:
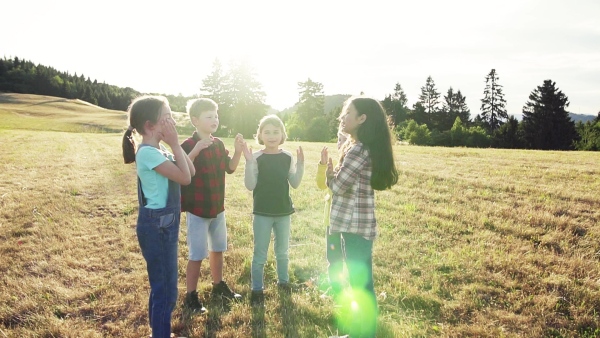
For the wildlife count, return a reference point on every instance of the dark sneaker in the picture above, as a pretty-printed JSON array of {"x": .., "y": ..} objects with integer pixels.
[
  {"x": 257, "y": 298},
  {"x": 223, "y": 290},
  {"x": 193, "y": 304},
  {"x": 286, "y": 287}
]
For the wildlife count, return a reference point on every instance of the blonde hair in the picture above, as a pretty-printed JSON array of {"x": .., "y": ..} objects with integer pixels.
[
  {"x": 195, "y": 107},
  {"x": 273, "y": 120}
]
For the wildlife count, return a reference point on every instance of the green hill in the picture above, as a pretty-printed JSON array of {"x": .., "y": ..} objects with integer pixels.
[{"x": 39, "y": 112}]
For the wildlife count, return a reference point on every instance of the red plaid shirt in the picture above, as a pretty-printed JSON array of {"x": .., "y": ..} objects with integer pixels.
[{"x": 205, "y": 196}]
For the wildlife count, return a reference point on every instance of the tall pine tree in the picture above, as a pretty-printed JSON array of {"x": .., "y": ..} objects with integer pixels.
[
  {"x": 547, "y": 125},
  {"x": 396, "y": 105},
  {"x": 493, "y": 111},
  {"x": 427, "y": 105},
  {"x": 454, "y": 106}
]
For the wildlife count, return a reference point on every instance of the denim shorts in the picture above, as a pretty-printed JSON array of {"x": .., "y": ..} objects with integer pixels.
[{"x": 204, "y": 234}]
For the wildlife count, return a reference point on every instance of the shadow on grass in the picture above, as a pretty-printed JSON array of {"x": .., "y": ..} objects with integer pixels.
[
  {"x": 216, "y": 307},
  {"x": 258, "y": 320},
  {"x": 287, "y": 310}
]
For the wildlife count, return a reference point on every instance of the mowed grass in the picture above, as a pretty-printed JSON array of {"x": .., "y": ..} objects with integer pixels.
[{"x": 473, "y": 243}]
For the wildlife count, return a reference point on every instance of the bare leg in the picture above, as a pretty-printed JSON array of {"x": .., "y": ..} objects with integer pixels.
[
  {"x": 216, "y": 266},
  {"x": 192, "y": 274}
]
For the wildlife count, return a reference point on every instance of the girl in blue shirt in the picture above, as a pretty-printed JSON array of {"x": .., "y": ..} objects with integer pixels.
[{"x": 160, "y": 174}]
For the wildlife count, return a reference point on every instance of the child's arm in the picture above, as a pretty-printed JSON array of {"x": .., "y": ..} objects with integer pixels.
[
  {"x": 321, "y": 169},
  {"x": 190, "y": 164},
  {"x": 251, "y": 171},
  {"x": 200, "y": 145},
  {"x": 238, "y": 145},
  {"x": 178, "y": 171},
  {"x": 343, "y": 180},
  {"x": 295, "y": 176}
]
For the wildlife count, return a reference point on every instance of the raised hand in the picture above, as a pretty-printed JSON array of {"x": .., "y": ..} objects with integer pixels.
[
  {"x": 238, "y": 143},
  {"x": 329, "y": 171},
  {"x": 300, "y": 155},
  {"x": 169, "y": 132},
  {"x": 247, "y": 151},
  {"x": 203, "y": 144},
  {"x": 324, "y": 155}
]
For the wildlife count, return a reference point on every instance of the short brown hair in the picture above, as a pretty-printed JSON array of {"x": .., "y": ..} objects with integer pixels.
[{"x": 195, "y": 107}]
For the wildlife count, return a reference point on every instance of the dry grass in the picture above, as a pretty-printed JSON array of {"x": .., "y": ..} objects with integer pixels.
[
  {"x": 473, "y": 243},
  {"x": 37, "y": 112}
]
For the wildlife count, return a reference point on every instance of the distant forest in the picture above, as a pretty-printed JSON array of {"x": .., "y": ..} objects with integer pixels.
[
  {"x": 434, "y": 120},
  {"x": 22, "y": 76}
]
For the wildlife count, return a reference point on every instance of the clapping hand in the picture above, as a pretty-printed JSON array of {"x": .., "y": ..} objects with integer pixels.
[
  {"x": 329, "y": 171},
  {"x": 324, "y": 156},
  {"x": 300, "y": 155},
  {"x": 238, "y": 143},
  {"x": 203, "y": 144},
  {"x": 247, "y": 151}
]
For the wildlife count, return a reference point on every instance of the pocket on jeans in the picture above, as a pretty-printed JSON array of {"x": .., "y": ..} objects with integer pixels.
[{"x": 167, "y": 220}]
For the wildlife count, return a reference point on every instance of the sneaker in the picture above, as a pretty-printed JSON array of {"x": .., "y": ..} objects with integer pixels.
[
  {"x": 223, "y": 290},
  {"x": 193, "y": 304},
  {"x": 285, "y": 287},
  {"x": 257, "y": 298}
]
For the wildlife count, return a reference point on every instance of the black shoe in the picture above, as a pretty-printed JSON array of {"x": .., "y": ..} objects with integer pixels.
[
  {"x": 193, "y": 304},
  {"x": 223, "y": 290},
  {"x": 286, "y": 287},
  {"x": 257, "y": 298}
]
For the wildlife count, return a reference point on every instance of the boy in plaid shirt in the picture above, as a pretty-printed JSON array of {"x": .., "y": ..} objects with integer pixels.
[{"x": 203, "y": 200}]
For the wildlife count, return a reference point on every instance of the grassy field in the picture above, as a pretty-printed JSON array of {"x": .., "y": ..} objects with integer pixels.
[{"x": 473, "y": 242}]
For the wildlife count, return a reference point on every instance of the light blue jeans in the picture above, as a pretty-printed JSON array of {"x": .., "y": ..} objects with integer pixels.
[{"x": 262, "y": 226}]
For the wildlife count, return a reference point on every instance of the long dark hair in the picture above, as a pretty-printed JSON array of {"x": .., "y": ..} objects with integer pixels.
[
  {"x": 141, "y": 110},
  {"x": 374, "y": 134}
]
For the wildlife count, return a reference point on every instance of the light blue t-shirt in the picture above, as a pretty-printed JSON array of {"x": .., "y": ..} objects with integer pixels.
[{"x": 154, "y": 185}]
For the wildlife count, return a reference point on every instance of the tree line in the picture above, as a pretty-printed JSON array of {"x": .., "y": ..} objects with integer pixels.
[
  {"x": 546, "y": 123},
  {"x": 433, "y": 120}
]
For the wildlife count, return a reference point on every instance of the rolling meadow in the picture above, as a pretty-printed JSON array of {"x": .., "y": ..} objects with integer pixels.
[{"x": 472, "y": 242}]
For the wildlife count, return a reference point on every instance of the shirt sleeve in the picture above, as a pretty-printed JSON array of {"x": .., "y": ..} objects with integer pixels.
[
  {"x": 251, "y": 172},
  {"x": 296, "y": 172},
  {"x": 344, "y": 178},
  {"x": 187, "y": 146},
  {"x": 321, "y": 169},
  {"x": 227, "y": 159},
  {"x": 150, "y": 157}
]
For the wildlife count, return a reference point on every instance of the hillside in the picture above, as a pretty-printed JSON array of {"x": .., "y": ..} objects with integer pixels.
[
  {"x": 57, "y": 113},
  {"x": 581, "y": 117}
]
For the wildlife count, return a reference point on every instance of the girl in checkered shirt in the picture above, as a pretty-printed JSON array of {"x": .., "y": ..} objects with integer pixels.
[{"x": 366, "y": 164}]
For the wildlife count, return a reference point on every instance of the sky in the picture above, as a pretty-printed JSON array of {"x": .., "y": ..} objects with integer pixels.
[{"x": 348, "y": 46}]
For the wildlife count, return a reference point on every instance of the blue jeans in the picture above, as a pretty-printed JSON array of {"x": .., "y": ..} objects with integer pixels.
[
  {"x": 335, "y": 258},
  {"x": 158, "y": 232},
  {"x": 358, "y": 254},
  {"x": 262, "y": 226}
]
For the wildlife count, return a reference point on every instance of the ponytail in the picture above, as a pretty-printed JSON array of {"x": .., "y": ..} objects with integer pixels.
[
  {"x": 143, "y": 109},
  {"x": 128, "y": 146}
]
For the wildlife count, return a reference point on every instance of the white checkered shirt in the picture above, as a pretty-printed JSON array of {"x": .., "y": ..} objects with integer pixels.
[{"x": 353, "y": 203}]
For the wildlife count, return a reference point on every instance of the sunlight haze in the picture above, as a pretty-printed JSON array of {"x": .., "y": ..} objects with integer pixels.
[{"x": 348, "y": 46}]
